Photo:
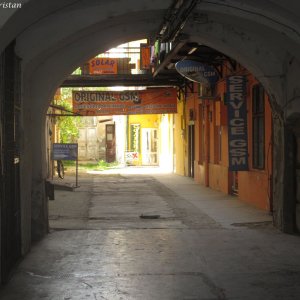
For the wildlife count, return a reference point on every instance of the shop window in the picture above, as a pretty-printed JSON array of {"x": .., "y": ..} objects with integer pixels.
[{"x": 258, "y": 127}]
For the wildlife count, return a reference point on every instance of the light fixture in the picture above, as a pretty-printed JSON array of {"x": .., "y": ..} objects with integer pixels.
[{"x": 192, "y": 50}]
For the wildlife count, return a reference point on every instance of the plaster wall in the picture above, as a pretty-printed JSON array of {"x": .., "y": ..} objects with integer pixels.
[
  {"x": 166, "y": 142},
  {"x": 218, "y": 178},
  {"x": 179, "y": 139},
  {"x": 121, "y": 123},
  {"x": 200, "y": 173}
]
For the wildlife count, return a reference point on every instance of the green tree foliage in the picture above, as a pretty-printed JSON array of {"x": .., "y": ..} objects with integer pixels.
[{"x": 68, "y": 126}]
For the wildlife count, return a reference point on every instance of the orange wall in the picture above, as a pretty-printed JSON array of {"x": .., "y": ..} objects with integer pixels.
[
  {"x": 192, "y": 102},
  {"x": 253, "y": 188},
  {"x": 218, "y": 178},
  {"x": 253, "y": 184}
]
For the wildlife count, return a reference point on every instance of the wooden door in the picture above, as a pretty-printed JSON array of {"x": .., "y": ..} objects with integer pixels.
[{"x": 110, "y": 143}]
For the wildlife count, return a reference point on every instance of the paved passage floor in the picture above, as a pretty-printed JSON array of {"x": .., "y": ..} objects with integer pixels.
[{"x": 161, "y": 236}]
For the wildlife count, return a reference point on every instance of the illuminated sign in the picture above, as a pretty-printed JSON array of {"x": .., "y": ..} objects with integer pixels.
[
  {"x": 103, "y": 65},
  {"x": 237, "y": 123},
  {"x": 103, "y": 103},
  {"x": 197, "y": 71}
]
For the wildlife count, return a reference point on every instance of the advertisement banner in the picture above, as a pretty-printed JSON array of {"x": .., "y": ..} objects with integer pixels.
[
  {"x": 103, "y": 103},
  {"x": 237, "y": 123},
  {"x": 103, "y": 65}
]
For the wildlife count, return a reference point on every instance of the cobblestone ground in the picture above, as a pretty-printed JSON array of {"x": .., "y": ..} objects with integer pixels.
[{"x": 126, "y": 236}]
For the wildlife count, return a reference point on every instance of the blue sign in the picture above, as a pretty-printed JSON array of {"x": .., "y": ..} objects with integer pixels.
[
  {"x": 197, "y": 71},
  {"x": 65, "y": 151},
  {"x": 237, "y": 123}
]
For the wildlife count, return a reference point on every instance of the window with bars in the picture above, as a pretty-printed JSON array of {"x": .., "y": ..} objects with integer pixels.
[{"x": 258, "y": 127}]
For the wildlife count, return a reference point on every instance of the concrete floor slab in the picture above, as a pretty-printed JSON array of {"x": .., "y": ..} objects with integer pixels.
[{"x": 205, "y": 246}]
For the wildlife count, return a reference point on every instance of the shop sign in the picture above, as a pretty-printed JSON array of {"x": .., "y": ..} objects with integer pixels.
[
  {"x": 64, "y": 151},
  {"x": 131, "y": 157},
  {"x": 237, "y": 123},
  {"x": 103, "y": 103},
  {"x": 103, "y": 65},
  {"x": 198, "y": 72},
  {"x": 145, "y": 56}
]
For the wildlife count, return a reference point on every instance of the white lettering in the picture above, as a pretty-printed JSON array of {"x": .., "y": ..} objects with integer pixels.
[
  {"x": 236, "y": 79},
  {"x": 238, "y": 161},
  {"x": 236, "y": 96},
  {"x": 236, "y": 105},
  {"x": 237, "y": 122},
  {"x": 238, "y": 152},
  {"x": 236, "y": 88},
  {"x": 10, "y": 5},
  {"x": 237, "y": 130},
  {"x": 238, "y": 143}
]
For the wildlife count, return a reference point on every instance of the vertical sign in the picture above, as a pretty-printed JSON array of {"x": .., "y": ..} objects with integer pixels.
[
  {"x": 237, "y": 123},
  {"x": 145, "y": 56}
]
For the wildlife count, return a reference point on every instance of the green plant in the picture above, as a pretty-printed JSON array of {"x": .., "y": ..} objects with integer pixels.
[
  {"x": 68, "y": 125},
  {"x": 95, "y": 166}
]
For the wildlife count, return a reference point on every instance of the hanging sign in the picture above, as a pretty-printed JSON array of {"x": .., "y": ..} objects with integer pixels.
[
  {"x": 197, "y": 71},
  {"x": 237, "y": 123},
  {"x": 103, "y": 65},
  {"x": 108, "y": 103}
]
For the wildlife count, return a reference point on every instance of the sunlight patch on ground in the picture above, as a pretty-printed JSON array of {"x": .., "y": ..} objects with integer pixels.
[{"x": 132, "y": 170}]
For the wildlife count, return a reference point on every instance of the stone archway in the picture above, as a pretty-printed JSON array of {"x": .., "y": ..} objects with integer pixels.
[{"x": 54, "y": 39}]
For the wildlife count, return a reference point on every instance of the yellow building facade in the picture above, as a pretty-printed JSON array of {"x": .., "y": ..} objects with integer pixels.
[{"x": 150, "y": 140}]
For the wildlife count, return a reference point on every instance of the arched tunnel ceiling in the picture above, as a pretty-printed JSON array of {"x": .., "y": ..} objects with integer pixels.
[{"x": 54, "y": 37}]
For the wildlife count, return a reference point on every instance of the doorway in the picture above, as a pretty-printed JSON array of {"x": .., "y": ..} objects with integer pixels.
[
  {"x": 10, "y": 111},
  {"x": 149, "y": 147},
  {"x": 191, "y": 146},
  {"x": 87, "y": 144},
  {"x": 110, "y": 143}
]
